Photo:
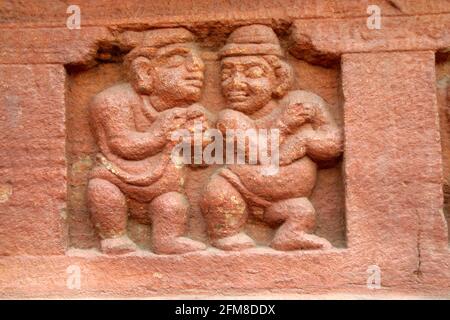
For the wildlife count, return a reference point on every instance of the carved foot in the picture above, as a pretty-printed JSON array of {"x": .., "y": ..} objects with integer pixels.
[
  {"x": 299, "y": 241},
  {"x": 178, "y": 246},
  {"x": 235, "y": 242},
  {"x": 119, "y": 245}
]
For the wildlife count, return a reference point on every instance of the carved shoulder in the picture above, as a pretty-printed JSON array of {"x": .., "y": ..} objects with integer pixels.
[
  {"x": 301, "y": 106},
  {"x": 112, "y": 101},
  {"x": 232, "y": 119},
  {"x": 302, "y": 97}
]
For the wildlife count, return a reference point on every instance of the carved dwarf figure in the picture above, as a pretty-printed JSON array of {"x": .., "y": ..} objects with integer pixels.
[
  {"x": 254, "y": 78},
  {"x": 132, "y": 123}
]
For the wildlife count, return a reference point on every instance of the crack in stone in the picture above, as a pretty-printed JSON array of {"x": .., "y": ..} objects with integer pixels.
[
  {"x": 395, "y": 5},
  {"x": 418, "y": 271}
]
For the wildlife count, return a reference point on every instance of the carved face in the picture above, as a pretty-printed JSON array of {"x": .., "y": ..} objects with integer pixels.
[
  {"x": 247, "y": 82},
  {"x": 177, "y": 73}
]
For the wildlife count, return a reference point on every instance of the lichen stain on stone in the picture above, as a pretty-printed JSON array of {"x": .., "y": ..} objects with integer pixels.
[
  {"x": 82, "y": 165},
  {"x": 63, "y": 213},
  {"x": 13, "y": 110},
  {"x": 5, "y": 192}
]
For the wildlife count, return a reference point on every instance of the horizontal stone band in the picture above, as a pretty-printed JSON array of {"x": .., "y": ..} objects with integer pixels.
[{"x": 244, "y": 49}]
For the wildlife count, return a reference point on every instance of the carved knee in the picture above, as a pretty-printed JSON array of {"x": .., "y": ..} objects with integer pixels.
[
  {"x": 169, "y": 201},
  {"x": 169, "y": 215},
  {"x": 297, "y": 211},
  {"x": 223, "y": 207},
  {"x": 107, "y": 205}
]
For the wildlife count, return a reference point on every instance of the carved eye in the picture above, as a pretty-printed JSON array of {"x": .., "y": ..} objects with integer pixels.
[
  {"x": 226, "y": 73},
  {"x": 254, "y": 72},
  {"x": 308, "y": 109},
  {"x": 175, "y": 60}
]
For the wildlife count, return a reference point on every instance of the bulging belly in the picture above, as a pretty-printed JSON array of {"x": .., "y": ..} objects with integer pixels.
[
  {"x": 292, "y": 181},
  {"x": 172, "y": 178}
]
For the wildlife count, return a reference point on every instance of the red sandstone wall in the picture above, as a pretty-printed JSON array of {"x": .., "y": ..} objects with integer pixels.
[{"x": 386, "y": 203}]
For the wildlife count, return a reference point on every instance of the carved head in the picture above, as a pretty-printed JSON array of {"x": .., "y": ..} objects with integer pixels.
[
  {"x": 167, "y": 65},
  {"x": 253, "y": 71}
]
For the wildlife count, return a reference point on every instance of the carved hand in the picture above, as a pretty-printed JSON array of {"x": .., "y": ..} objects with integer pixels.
[
  {"x": 171, "y": 120},
  {"x": 294, "y": 116},
  {"x": 230, "y": 119},
  {"x": 199, "y": 115},
  {"x": 292, "y": 148}
]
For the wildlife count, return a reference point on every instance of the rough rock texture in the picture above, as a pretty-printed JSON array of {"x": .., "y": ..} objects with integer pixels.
[
  {"x": 33, "y": 164},
  {"x": 393, "y": 158},
  {"x": 384, "y": 203},
  {"x": 323, "y": 41},
  {"x": 443, "y": 98}
]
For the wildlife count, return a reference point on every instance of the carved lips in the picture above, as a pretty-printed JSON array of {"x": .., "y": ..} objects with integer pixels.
[
  {"x": 195, "y": 80},
  {"x": 236, "y": 96}
]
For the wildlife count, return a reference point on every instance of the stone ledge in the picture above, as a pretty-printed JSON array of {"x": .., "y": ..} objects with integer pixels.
[
  {"x": 211, "y": 273},
  {"x": 150, "y": 13},
  {"x": 324, "y": 41},
  {"x": 320, "y": 41}
]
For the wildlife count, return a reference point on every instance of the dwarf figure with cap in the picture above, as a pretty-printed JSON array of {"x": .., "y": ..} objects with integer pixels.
[
  {"x": 255, "y": 84},
  {"x": 132, "y": 123}
]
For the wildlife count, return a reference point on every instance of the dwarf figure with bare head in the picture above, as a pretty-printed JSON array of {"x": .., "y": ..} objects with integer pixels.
[
  {"x": 132, "y": 123},
  {"x": 255, "y": 83}
]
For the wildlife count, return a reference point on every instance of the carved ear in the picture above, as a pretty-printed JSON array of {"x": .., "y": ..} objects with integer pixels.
[
  {"x": 141, "y": 74},
  {"x": 284, "y": 77}
]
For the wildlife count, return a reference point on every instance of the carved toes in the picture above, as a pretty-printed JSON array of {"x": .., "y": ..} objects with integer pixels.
[
  {"x": 178, "y": 245},
  {"x": 116, "y": 246},
  {"x": 235, "y": 242},
  {"x": 299, "y": 241}
]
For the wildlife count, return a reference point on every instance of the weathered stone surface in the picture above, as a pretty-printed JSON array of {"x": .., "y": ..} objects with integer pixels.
[
  {"x": 141, "y": 275},
  {"x": 69, "y": 97},
  {"x": 319, "y": 34},
  {"x": 323, "y": 41},
  {"x": 264, "y": 272},
  {"x": 51, "y": 45},
  {"x": 165, "y": 13},
  {"x": 393, "y": 164},
  {"x": 443, "y": 98},
  {"x": 32, "y": 160}
]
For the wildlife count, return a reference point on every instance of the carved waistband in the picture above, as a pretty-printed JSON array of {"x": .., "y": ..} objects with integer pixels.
[
  {"x": 139, "y": 179},
  {"x": 248, "y": 195}
]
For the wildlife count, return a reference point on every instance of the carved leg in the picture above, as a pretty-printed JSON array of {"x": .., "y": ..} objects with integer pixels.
[
  {"x": 225, "y": 212},
  {"x": 298, "y": 222},
  {"x": 169, "y": 215},
  {"x": 108, "y": 209}
]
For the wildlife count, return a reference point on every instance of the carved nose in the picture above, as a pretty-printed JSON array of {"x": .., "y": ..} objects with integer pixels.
[
  {"x": 194, "y": 63},
  {"x": 237, "y": 81}
]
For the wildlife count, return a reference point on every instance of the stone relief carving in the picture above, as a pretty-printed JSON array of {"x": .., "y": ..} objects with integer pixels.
[
  {"x": 133, "y": 124},
  {"x": 255, "y": 83}
]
